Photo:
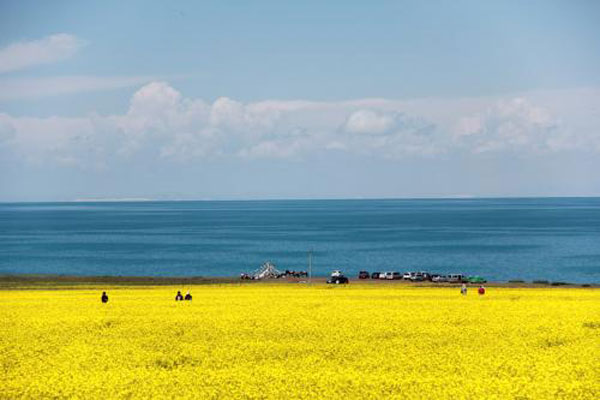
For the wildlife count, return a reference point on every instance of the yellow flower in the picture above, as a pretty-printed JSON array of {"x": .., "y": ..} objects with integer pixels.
[{"x": 284, "y": 341}]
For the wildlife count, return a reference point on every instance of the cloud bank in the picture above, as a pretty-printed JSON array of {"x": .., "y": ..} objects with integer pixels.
[{"x": 162, "y": 125}]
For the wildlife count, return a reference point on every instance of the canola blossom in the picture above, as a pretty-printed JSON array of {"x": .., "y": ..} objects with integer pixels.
[{"x": 280, "y": 341}]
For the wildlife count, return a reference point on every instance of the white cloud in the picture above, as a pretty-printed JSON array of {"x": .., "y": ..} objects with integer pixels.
[
  {"x": 466, "y": 126},
  {"x": 57, "y": 140},
  {"x": 161, "y": 125},
  {"x": 154, "y": 98},
  {"x": 513, "y": 124},
  {"x": 370, "y": 122},
  {"x": 50, "y": 49}
]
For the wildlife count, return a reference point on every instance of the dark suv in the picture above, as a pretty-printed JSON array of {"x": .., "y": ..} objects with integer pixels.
[{"x": 363, "y": 275}]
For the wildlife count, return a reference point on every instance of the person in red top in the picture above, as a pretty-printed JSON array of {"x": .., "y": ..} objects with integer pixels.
[{"x": 481, "y": 290}]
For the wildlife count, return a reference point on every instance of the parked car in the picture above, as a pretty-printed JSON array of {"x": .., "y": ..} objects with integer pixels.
[
  {"x": 476, "y": 279},
  {"x": 375, "y": 275},
  {"x": 416, "y": 277},
  {"x": 457, "y": 278},
  {"x": 426, "y": 275},
  {"x": 406, "y": 276},
  {"x": 363, "y": 275},
  {"x": 439, "y": 278},
  {"x": 392, "y": 275},
  {"x": 337, "y": 277},
  {"x": 382, "y": 275}
]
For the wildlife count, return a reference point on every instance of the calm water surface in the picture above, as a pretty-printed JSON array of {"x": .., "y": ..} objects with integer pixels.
[{"x": 535, "y": 238}]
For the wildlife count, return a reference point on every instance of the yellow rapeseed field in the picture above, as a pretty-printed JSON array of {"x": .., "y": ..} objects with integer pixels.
[{"x": 294, "y": 341}]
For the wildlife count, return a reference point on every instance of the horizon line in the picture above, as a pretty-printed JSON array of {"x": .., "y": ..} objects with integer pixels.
[{"x": 159, "y": 200}]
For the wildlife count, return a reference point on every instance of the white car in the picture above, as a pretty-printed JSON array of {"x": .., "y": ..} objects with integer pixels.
[
  {"x": 392, "y": 275},
  {"x": 406, "y": 276},
  {"x": 336, "y": 273}
]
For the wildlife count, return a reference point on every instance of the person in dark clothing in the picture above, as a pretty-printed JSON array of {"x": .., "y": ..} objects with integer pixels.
[
  {"x": 179, "y": 296},
  {"x": 188, "y": 296},
  {"x": 104, "y": 297}
]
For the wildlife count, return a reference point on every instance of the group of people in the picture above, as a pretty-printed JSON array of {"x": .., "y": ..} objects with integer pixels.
[
  {"x": 178, "y": 297},
  {"x": 463, "y": 290}
]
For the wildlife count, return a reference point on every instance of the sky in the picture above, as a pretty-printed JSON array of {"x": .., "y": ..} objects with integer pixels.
[{"x": 270, "y": 99}]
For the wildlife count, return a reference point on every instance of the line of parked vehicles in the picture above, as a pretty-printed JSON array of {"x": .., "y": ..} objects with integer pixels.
[
  {"x": 338, "y": 277},
  {"x": 420, "y": 276}
]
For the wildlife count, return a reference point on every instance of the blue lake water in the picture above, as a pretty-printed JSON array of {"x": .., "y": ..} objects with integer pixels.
[{"x": 556, "y": 239}]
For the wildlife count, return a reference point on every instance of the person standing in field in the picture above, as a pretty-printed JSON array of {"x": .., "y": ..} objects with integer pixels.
[
  {"x": 188, "y": 296},
  {"x": 481, "y": 290},
  {"x": 463, "y": 289},
  {"x": 104, "y": 297},
  {"x": 179, "y": 296}
]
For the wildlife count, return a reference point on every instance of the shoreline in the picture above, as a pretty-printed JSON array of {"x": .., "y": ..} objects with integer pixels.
[{"x": 46, "y": 281}]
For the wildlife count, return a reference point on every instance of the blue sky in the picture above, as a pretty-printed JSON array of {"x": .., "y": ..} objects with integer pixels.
[{"x": 200, "y": 100}]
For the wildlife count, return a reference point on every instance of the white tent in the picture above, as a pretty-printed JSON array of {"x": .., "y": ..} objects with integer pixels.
[{"x": 266, "y": 271}]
